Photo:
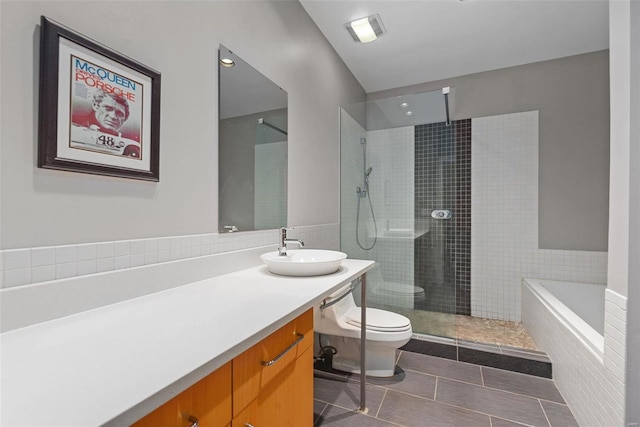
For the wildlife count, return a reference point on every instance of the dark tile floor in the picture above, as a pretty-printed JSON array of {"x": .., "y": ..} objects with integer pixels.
[{"x": 439, "y": 392}]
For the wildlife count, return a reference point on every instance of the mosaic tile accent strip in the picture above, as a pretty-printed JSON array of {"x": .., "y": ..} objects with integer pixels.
[
  {"x": 443, "y": 181},
  {"x": 462, "y": 219}
]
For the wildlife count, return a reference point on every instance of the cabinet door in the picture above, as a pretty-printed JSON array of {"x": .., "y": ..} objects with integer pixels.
[
  {"x": 250, "y": 375},
  {"x": 207, "y": 402}
]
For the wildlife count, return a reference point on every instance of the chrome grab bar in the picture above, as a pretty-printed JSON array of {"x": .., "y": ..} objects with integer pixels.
[
  {"x": 326, "y": 304},
  {"x": 285, "y": 351}
]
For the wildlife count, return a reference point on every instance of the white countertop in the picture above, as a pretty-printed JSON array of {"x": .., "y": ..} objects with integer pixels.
[{"x": 114, "y": 364}]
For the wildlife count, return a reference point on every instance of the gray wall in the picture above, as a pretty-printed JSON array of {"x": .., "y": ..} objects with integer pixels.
[
  {"x": 572, "y": 95},
  {"x": 180, "y": 39}
]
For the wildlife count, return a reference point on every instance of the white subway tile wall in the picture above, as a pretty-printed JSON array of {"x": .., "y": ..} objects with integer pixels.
[
  {"x": 615, "y": 347},
  {"x": 504, "y": 219},
  {"x": 42, "y": 264}
]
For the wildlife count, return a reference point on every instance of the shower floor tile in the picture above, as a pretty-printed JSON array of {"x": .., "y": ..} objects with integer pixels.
[
  {"x": 435, "y": 394},
  {"x": 468, "y": 328},
  {"x": 500, "y": 332}
]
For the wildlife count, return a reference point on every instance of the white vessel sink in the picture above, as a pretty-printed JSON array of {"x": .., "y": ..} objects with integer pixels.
[{"x": 304, "y": 262}]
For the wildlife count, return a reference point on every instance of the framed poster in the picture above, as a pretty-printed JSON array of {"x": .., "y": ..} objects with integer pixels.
[{"x": 99, "y": 110}]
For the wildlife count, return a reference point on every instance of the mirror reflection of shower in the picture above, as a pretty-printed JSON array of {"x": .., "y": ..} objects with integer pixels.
[{"x": 363, "y": 192}]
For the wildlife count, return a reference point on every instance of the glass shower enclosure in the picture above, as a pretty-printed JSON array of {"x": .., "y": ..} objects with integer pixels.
[{"x": 405, "y": 203}]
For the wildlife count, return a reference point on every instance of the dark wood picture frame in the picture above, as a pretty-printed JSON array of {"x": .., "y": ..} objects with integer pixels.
[{"x": 77, "y": 75}]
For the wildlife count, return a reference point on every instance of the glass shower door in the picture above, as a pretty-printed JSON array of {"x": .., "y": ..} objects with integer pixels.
[{"x": 392, "y": 223}]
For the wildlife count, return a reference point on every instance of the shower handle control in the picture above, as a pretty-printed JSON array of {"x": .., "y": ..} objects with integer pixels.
[{"x": 441, "y": 214}]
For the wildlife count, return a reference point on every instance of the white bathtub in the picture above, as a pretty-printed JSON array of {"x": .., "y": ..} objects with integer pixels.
[
  {"x": 589, "y": 378},
  {"x": 579, "y": 307}
]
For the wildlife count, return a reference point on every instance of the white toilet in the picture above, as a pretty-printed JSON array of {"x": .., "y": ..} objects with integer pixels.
[{"x": 339, "y": 324}]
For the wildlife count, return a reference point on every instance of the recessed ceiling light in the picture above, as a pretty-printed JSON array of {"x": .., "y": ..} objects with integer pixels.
[
  {"x": 227, "y": 62},
  {"x": 408, "y": 113},
  {"x": 404, "y": 105},
  {"x": 365, "y": 30}
]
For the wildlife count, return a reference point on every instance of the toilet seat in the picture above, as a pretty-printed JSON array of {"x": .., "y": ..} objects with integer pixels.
[{"x": 378, "y": 320}]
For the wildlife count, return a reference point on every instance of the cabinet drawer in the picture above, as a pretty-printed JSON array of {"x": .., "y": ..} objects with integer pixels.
[{"x": 250, "y": 374}]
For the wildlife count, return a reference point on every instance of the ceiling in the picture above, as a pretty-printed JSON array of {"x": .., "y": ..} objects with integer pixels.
[{"x": 430, "y": 40}]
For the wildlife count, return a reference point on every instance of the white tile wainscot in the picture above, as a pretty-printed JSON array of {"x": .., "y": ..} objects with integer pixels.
[
  {"x": 26, "y": 266},
  {"x": 109, "y": 354}
]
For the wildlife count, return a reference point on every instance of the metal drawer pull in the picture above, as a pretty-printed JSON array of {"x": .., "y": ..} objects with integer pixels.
[
  {"x": 248, "y": 425},
  {"x": 285, "y": 351},
  {"x": 193, "y": 420}
]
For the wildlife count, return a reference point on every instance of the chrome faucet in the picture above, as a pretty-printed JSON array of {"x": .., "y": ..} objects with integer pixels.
[{"x": 282, "y": 244}]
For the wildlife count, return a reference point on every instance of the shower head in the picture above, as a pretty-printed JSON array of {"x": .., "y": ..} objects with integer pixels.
[{"x": 368, "y": 172}]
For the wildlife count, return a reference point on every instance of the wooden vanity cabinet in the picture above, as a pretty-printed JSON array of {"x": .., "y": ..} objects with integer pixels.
[{"x": 270, "y": 384}]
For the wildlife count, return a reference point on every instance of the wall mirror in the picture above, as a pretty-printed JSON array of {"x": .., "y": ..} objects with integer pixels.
[{"x": 252, "y": 192}]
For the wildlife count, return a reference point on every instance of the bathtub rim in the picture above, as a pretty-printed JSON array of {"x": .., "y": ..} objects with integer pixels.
[{"x": 581, "y": 329}]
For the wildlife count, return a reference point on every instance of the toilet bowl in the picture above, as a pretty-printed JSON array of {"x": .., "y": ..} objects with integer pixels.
[{"x": 339, "y": 324}]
